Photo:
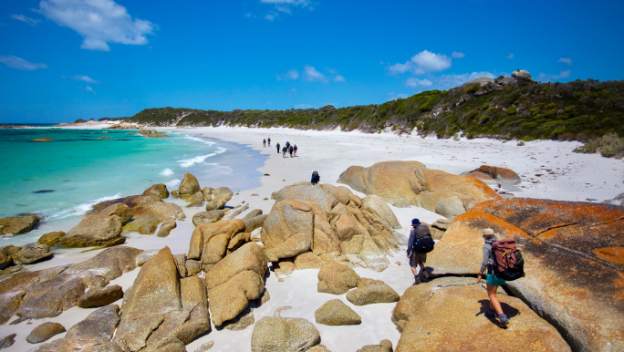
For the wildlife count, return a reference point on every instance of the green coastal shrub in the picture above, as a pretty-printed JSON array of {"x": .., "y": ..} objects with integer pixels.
[{"x": 610, "y": 145}]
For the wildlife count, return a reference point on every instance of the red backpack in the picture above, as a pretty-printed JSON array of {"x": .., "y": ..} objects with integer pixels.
[{"x": 508, "y": 260}]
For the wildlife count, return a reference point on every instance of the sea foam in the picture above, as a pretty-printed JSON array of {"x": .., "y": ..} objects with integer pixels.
[
  {"x": 186, "y": 163},
  {"x": 166, "y": 172},
  {"x": 80, "y": 209}
]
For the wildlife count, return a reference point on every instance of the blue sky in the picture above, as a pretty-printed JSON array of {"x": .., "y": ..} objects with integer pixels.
[{"x": 66, "y": 59}]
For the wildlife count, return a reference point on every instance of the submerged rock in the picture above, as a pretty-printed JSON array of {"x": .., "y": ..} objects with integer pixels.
[
  {"x": 405, "y": 183},
  {"x": 572, "y": 254},
  {"x": 17, "y": 225},
  {"x": 273, "y": 334}
]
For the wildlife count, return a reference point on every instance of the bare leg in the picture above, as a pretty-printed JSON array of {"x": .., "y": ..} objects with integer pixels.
[
  {"x": 421, "y": 273},
  {"x": 413, "y": 268},
  {"x": 494, "y": 303}
]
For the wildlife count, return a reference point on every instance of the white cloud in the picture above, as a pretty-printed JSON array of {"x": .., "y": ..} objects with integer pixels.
[
  {"x": 90, "y": 89},
  {"x": 22, "y": 18},
  {"x": 19, "y": 63},
  {"x": 284, "y": 7},
  {"x": 510, "y": 56},
  {"x": 415, "y": 82},
  {"x": 565, "y": 61},
  {"x": 457, "y": 55},
  {"x": 312, "y": 74},
  {"x": 451, "y": 81},
  {"x": 99, "y": 22},
  {"x": 423, "y": 62},
  {"x": 84, "y": 78}
]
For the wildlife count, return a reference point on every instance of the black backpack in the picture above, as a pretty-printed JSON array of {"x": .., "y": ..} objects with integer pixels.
[
  {"x": 423, "y": 244},
  {"x": 315, "y": 177}
]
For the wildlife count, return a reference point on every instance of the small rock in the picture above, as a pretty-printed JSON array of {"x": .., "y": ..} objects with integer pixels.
[
  {"x": 372, "y": 291},
  {"x": 17, "y": 225},
  {"x": 44, "y": 331},
  {"x": 335, "y": 312},
  {"x": 336, "y": 278},
  {"x": 51, "y": 238},
  {"x": 273, "y": 334},
  {"x": 100, "y": 297},
  {"x": 7, "y": 341},
  {"x": 383, "y": 346},
  {"x": 32, "y": 253},
  {"x": 158, "y": 190}
]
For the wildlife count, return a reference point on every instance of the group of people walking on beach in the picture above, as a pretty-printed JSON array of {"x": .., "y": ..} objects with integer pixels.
[
  {"x": 501, "y": 262},
  {"x": 286, "y": 149}
]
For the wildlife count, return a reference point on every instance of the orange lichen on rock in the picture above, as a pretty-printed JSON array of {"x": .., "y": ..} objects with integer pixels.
[
  {"x": 613, "y": 255},
  {"x": 479, "y": 218}
]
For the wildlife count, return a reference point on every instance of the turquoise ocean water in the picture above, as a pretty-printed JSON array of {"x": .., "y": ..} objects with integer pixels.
[{"x": 61, "y": 178}]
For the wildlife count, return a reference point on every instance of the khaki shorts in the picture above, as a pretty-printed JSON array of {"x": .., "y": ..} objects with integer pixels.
[{"x": 416, "y": 258}]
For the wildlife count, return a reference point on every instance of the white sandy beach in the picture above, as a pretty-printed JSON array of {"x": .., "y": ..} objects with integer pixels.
[{"x": 548, "y": 169}]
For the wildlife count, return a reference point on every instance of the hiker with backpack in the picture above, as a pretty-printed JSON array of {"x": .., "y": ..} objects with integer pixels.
[
  {"x": 316, "y": 178},
  {"x": 419, "y": 244},
  {"x": 503, "y": 262}
]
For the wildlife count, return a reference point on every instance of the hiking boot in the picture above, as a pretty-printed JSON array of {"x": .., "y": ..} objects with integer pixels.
[{"x": 503, "y": 321}]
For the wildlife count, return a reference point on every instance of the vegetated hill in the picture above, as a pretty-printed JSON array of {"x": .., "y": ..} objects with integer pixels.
[{"x": 508, "y": 107}]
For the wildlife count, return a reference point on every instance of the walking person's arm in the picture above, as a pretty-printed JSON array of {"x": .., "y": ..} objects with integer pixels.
[
  {"x": 410, "y": 242},
  {"x": 484, "y": 262}
]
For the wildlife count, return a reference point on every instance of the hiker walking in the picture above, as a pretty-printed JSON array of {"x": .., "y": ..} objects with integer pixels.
[
  {"x": 315, "y": 178},
  {"x": 295, "y": 149},
  {"x": 290, "y": 150},
  {"x": 419, "y": 244},
  {"x": 284, "y": 150},
  {"x": 269, "y": 141},
  {"x": 502, "y": 262},
  {"x": 278, "y": 148},
  {"x": 264, "y": 143}
]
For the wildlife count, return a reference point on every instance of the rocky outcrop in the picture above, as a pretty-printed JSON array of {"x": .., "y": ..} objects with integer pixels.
[
  {"x": 572, "y": 255},
  {"x": 427, "y": 313},
  {"x": 335, "y": 312},
  {"x": 372, "y": 291},
  {"x": 160, "y": 310},
  {"x": 404, "y": 183},
  {"x": 44, "y": 331},
  {"x": 7, "y": 341},
  {"x": 235, "y": 281},
  {"x": 49, "y": 292},
  {"x": 490, "y": 173},
  {"x": 326, "y": 220},
  {"x": 158, "y": 190},
  {"x": 17, "y": 225},
  {"x": 274, "y": 334},
  {"x": 92, "y": 334},
  {"x": 336, "y": 278},
  {"x": 108, "y": 220},
  {"x": 210, "y": 242}
]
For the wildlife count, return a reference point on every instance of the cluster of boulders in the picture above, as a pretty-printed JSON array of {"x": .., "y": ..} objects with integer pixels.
[
  {"x": 48, "y": 292},
  {"x": 190, "y": 191},
  {"x": 310, "y": 224},
  {"x": 405, "y": 183}
]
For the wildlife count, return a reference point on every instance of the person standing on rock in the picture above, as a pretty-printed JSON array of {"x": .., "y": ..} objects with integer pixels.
[
  {"x": 264, "y": 143},
  {"x": 278, "y": 148},
  {"x": 492, "y": 281},
  {"x": 269, "y": 141},
  {"x": 316, "y": 178},
  {"x": 419, "y": 244}
]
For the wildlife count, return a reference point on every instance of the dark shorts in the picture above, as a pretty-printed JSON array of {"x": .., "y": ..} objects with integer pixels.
[{"x": 416, "y": 258}]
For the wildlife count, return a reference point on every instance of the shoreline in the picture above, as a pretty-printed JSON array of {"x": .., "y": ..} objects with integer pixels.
[{"x": 331, "y": 152}]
